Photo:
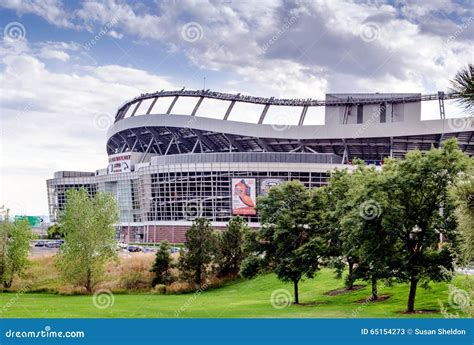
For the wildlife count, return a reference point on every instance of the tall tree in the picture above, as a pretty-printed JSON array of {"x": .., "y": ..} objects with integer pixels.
[
  {"x": 462, "y": 196},
  {"x": 230, "y": 250},
  {"x": 89, "y": 243},
  {"x": 370, "y": 241},
  {"x": 463, "y": 84},
  {"x": 287, "y": 234},
  {"x": 198, "y": 252},
  {"x": 162, "y": 265},
  {"x": 14, "y": 248},
  {"x": 336, "y": 204},
  {"x": 417, "y": 188}
]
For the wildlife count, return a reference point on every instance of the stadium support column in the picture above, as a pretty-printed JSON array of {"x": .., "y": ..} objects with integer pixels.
[
  {"x": 345, "y": 155},
  {"x": 441, "y": 114},
  {"x": 264, "y": 112},
  {"x": 303, "y": 115},
  {"x": 391, "y": 147},
  {"x": 227, "y": 113}
]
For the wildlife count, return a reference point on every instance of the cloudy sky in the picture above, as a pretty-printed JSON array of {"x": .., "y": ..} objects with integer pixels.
[{"x": 65, "y": 67}]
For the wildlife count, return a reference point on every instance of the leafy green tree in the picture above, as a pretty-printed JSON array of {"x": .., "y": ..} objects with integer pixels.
[
  {"x": 163, "y": 264},
  {"x": 89, "y": 243},
  {"x": 370, "y": 241},
  {"x": 335, "y": 204},
  {"x": 14, "y": 248},
  {"x": 287, "y": 238},
  {"x": 463, "y": 84},
  {"x": 230, "y": 247},
  {"x": 198, "y": 253},
  {"x": 417, "y": 188},
  {"x": 462, "y": 196},
  {"x": 55, "y": 231}
]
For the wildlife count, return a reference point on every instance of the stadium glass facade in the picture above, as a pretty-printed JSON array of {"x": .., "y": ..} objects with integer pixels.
[{"x": 167, "y": 167}]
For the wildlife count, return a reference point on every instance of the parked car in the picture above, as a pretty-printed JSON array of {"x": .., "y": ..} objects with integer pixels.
[
  {"x": 53, "y": 244},
  {"x": 175, "y": 250},
  {"x": 149, "y": 250},
  {"x": 134, "y": 249},
  {"x": 40, "y": 244}
]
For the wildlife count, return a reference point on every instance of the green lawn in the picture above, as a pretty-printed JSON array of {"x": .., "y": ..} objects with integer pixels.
[{"x": 248, "y": 299}]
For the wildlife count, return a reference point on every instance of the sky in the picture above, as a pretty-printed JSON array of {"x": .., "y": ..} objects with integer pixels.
[{"x": 65, "y": 67}]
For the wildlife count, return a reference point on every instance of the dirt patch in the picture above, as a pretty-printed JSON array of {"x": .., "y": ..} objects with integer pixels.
[
  {"x": 426, "y": 311},
  {"x": 309, "y": 304},
  {"x": 380, "y": 298},
  {"x": 344, "y": 290}
]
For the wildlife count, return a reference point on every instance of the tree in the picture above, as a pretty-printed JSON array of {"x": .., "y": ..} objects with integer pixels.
[
  {"x": 89, "y": 243},
  {"x": 417, "y": 188},
  {"x": 14, "y": 248},
  {"x": 462, "y": 196},
  {"x": 463, "y": 84},
  {"x": 198, "y": 252},
  {"x": 287, "y": 235},
  {"x": 230, "y": 250},
  {"x": 55, "y": 231},
  {"x": 335, "y": 204},
  {"x": 163, "y": 264},
  {"x": 364, "y": 229}
]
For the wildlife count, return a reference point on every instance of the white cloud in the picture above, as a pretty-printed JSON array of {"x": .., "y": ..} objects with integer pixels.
[
  {"x": 50, "y": 121},
  {"x": 54, "y": 54},
  {"x": 50, "y": 10}
]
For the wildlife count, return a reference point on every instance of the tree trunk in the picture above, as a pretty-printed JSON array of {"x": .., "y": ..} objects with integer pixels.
[
  {"x": 197, "y": 278},
  {"x": 411, "y": 296},
  {"x": 374, "y": 289},
  {"x": 350, "y": 279},
  {"x": 88, "y": 284},
  {"x": 295, "y": 286},
  {"x": 7, "y": 284}
]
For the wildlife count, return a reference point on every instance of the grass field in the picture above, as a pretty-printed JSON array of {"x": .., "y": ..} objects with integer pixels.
[{"x": 245, "y": 299}]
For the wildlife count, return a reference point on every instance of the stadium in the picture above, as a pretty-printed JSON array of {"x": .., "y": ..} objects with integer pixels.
[{"x": 177, "y": 155}]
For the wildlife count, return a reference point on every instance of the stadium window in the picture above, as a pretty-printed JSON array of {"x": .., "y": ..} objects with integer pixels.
[
  {"x": 383, "y": 113},
  {"x": 360, "y": 113}
]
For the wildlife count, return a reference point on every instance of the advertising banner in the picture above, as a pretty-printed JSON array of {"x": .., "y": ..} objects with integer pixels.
[
  {"x": 120, "y": 163},
  {"x": 267, "y": 183},
  {"x": 243, "y": 196}
]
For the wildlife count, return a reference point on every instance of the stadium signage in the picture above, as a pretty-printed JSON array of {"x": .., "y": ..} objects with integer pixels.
[
  {"x": 244, "y": 197},
  {"x": 120, "y": 163}
]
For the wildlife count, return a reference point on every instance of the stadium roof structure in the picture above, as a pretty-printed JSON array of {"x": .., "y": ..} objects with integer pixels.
[{"x": 153, "y": 123}]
